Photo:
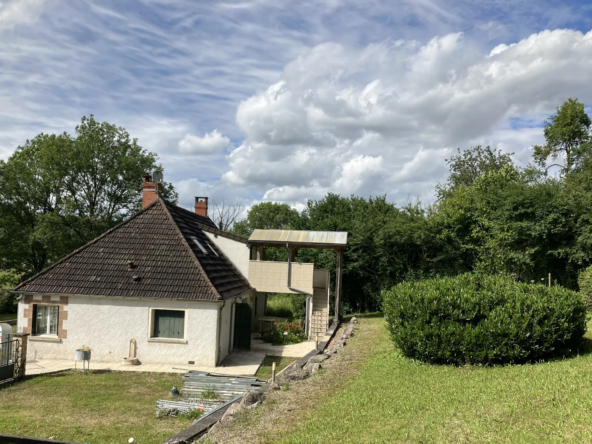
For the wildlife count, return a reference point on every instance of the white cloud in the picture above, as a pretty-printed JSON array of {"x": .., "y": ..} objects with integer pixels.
[
  {"x": 341, "y": 97},
  {"x": 211, "y": 143},
  {"x": 16, "y": 12},
  {"x": 383, "y": 119}
]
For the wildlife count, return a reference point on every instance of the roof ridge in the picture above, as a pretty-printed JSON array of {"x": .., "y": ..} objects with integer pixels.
[
  {"x": 85, "y": 246},
  {"x": 196, "y": 259}
]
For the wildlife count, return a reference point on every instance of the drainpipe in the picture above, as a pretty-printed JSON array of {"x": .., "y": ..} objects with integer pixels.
[
  {"x": 219, "y": 337},
  {"x": 308, "y": 295}
]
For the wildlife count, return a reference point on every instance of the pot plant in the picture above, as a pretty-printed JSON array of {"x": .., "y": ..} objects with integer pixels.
[{"x": 83, "y": 353}]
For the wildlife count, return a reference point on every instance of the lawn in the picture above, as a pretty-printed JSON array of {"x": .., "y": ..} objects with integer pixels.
[
  {"x": 7, "y": 316},
  {"x": 394, "y": 399},
  {"x": 370, "y": 393},
  {"x": 95, "y": 408},
  {"x": 281, "y": 362}
]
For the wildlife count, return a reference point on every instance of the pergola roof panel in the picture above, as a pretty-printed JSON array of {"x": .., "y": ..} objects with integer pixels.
[{"x": 301, "y": 238}]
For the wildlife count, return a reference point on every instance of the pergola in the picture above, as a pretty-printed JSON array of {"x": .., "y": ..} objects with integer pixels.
[{"x": 293, "y": 240}]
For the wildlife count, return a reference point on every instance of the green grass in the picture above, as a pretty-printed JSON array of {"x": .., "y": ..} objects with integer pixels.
[
  {"x": 394, "y": 399},
  {"x": 96, "y": 408},
  {"x": 7, "y": 316},
  {"x": 281, "y": 362},
  {"x": 279, "y": 305}
]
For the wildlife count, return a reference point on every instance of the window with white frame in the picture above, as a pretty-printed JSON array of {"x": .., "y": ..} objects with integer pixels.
[{"x": 45, "y": 319}]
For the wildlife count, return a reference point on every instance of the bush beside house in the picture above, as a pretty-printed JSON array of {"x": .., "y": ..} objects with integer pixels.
[{"x": 476, "y": 319}]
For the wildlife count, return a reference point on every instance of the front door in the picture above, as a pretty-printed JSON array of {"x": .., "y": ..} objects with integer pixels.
[{"x": 242, "y": 326}]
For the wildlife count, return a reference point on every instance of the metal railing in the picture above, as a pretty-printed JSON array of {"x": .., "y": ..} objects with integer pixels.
[{"x": 9, "y": 359}]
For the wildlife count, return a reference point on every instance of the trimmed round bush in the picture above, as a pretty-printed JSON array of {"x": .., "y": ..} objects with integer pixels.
[{"x": 475, "y": 319}]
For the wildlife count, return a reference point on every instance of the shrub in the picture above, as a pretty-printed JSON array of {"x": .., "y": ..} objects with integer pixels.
[
  {"x": 585, "y": 283},
  {"x": 474, "y": 319},
  {"x": 283, "y": 333}
]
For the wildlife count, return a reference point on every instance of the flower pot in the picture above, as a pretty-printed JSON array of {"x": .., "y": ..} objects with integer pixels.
[{"x": 82, "y": 355}]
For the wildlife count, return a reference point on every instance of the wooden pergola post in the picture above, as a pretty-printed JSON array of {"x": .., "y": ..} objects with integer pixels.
[{"x": 338, "y": 284}]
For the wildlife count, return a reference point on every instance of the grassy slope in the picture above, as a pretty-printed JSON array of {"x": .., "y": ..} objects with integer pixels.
[
  {"x": 7, "y": 316},
  {"x": 393, "y": 399},
  {"x": 97, "y": 408},
  {"x": 279, "y": 305}
]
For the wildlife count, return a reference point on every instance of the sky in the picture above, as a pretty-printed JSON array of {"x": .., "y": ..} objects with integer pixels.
[{"x": 270, "y": 100}]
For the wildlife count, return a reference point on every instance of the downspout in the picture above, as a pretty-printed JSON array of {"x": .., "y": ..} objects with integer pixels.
[
  {"x": 308, "y": 295},
  {"x": 219, "y": 349}
]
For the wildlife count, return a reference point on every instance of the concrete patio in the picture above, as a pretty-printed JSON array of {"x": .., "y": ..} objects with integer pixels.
[
  {"x": 247, "y": 366},
  {"x": 293, "y": 350},
  {"x": 238, "y": 363}
]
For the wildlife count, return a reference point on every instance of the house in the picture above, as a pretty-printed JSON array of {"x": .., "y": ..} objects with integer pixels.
[{"x": 166, "y": 280}]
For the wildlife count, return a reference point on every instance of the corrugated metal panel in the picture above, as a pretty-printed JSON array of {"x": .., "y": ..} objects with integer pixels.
[
  {"x": 299, "y": 237},
  {"x": 317, "y": 237},
  {"x": 336, "y": 237},
  {"x": 260, "y": 235},
  {"x": 278, "y": 235}
]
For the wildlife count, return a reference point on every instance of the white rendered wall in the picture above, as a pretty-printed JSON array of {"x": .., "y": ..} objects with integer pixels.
[
  {"x": 106, "y": 325},
  {"x": 20, "y": 317},
  {"x": 225, "y": 330},
  {"x": 237, "y": 252}
]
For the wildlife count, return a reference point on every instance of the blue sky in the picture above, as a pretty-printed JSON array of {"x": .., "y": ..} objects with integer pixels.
[{"x": 275, "y": 100}]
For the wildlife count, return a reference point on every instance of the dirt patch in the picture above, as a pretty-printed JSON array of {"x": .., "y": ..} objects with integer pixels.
[{"x": 284, "y": 410}]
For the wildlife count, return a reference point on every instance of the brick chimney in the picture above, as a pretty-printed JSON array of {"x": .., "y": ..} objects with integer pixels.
[
  {"x": 149, "y": 191},
  {"x": 201, "y": 206}
]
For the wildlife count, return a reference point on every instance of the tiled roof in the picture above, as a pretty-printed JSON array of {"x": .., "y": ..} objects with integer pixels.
[{"x": 167, "y": 262}]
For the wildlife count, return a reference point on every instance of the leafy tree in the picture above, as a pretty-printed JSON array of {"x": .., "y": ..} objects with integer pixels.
[
  {"x": 58, "y": 192},
  {"x": 468, "y": 165},
  {"x": 8, "y": 280},
  {"x": 266, "y": 216},
  {"x": 568, "y": 136}
]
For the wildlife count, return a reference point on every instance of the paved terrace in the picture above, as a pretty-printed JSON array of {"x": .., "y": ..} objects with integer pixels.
[{"x": 238, "y": 363}]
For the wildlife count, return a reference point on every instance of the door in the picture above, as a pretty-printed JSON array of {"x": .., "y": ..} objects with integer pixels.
[{"x": 242, "y": 326}]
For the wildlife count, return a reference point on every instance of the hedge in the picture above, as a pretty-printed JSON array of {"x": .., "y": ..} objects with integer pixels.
[{"x": 476, "y": 319}]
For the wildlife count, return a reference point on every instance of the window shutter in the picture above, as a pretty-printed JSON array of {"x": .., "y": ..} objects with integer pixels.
[{"x": 169, "y": 324}]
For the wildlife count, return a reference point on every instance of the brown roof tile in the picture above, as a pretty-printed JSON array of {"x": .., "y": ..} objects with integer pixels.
[{"x": 169, "y": 264}]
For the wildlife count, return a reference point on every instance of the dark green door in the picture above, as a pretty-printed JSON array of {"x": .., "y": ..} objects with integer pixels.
[{"x": 242, "y": 326}]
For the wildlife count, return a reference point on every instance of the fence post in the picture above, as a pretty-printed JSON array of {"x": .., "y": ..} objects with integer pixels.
[{"x": 22, "y": 338}]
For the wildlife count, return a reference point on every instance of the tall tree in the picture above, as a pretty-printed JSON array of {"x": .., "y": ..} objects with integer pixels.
[
  {"x": 466, "y": 166},
  {"x": 568, "y": 137},
  {"x": 266, "y": 216},
  {"x": 57, "y": 192}
]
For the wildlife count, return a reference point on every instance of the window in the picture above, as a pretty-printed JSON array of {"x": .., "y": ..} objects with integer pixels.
[
  {"x": 169, "y": 324},
  {"x": 215, "y": 252},
  {"x": 45, "y": 319},
  {"x": 203, "y": 250}
]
